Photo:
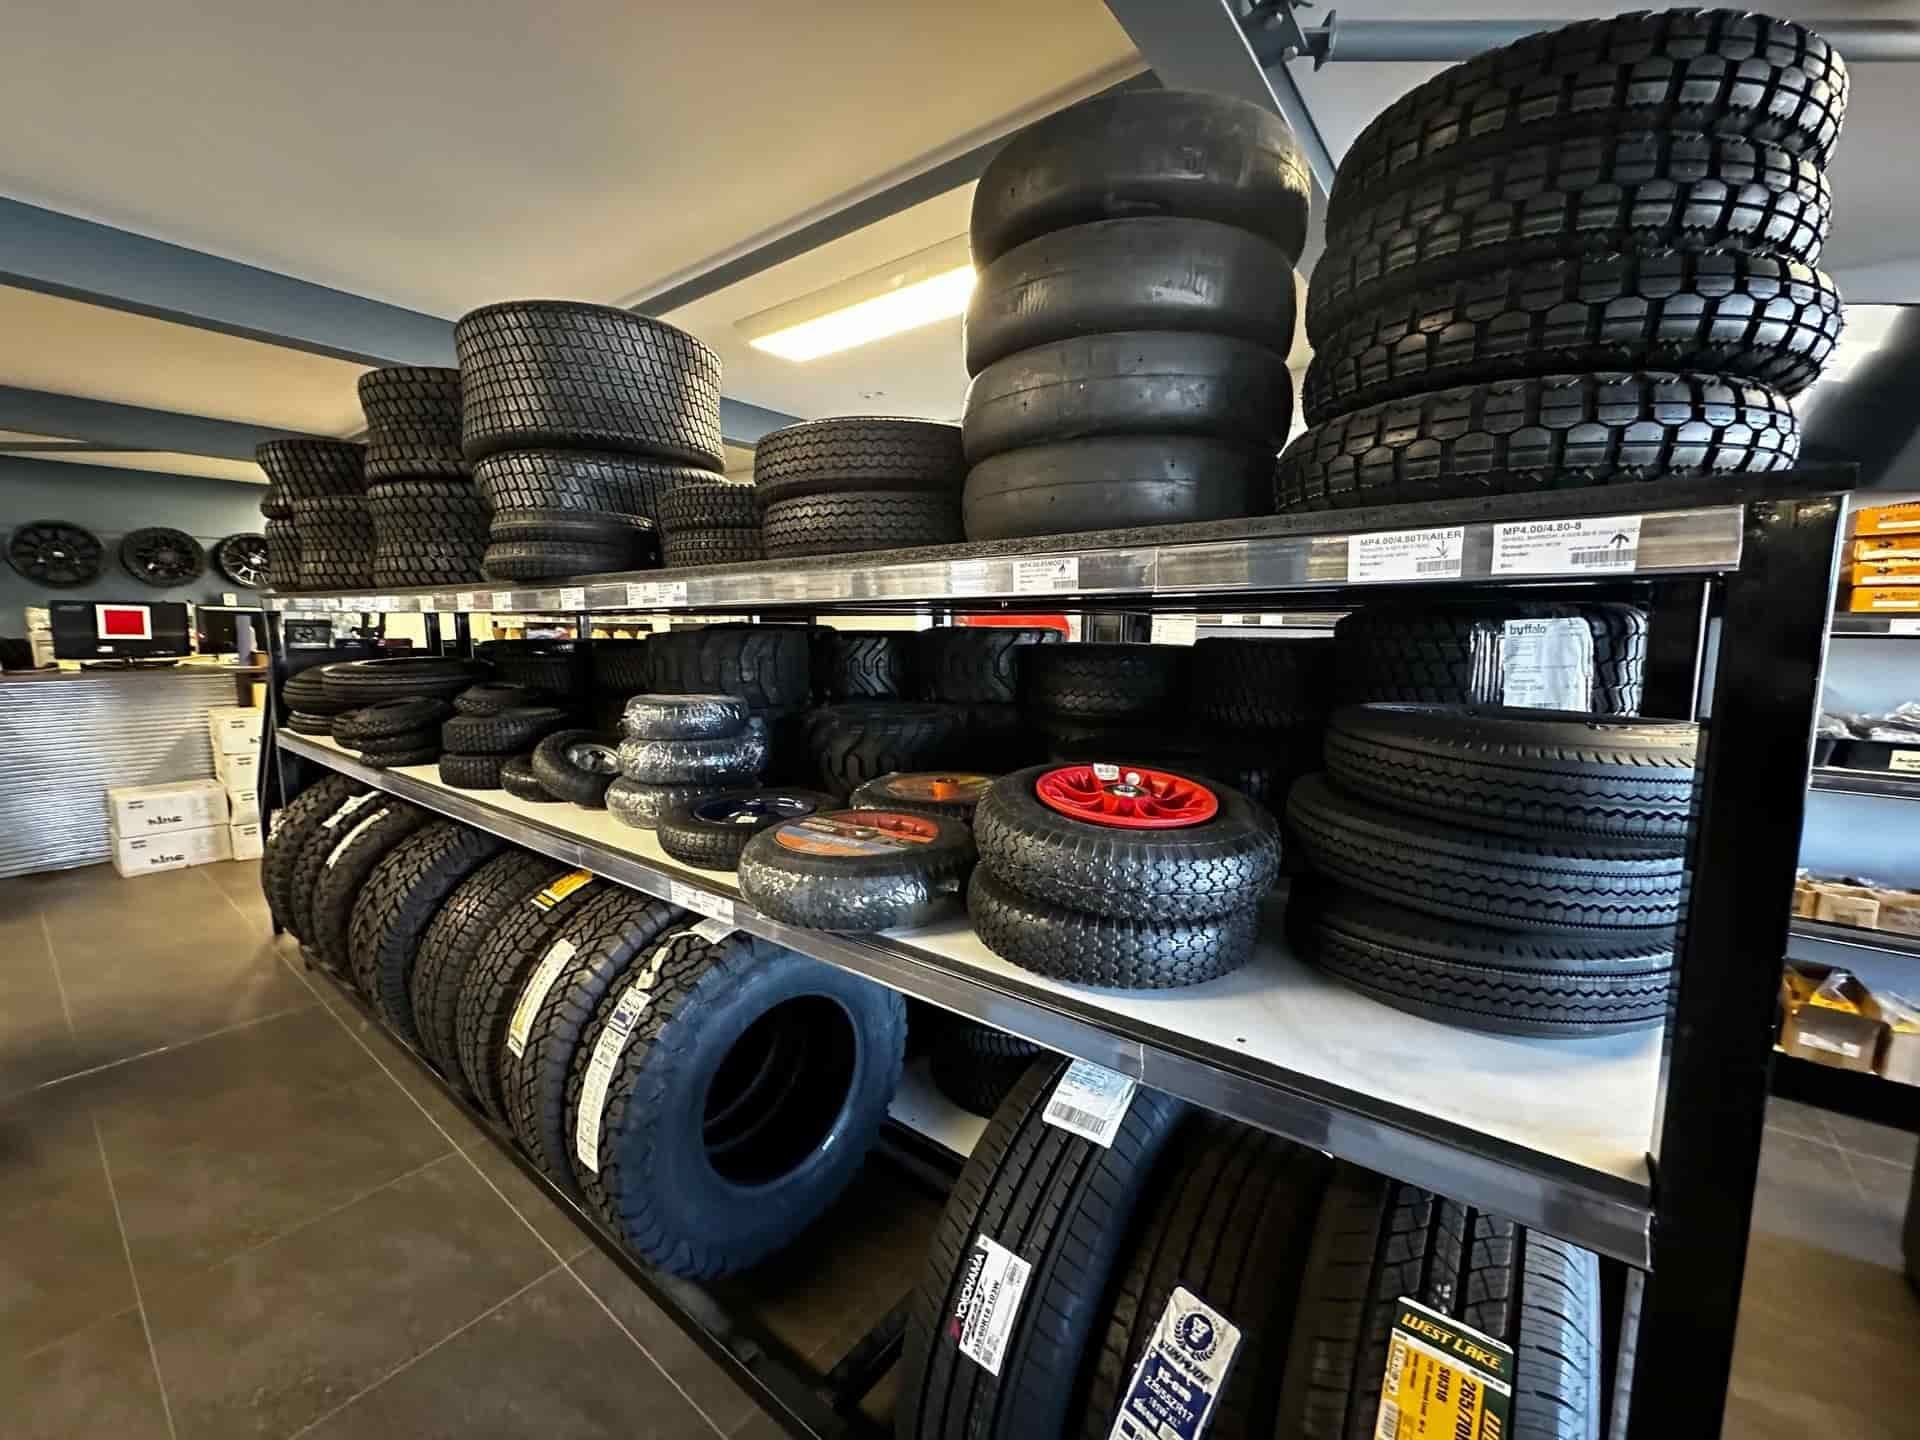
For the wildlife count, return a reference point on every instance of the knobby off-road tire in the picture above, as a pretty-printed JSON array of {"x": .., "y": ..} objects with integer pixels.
[
  {"x": 504, "y": 732},
  {"x": 861, "y": 453},
  {"x": 976, "y": 664},
  {"x": 1104, "y": 681},
  {"x": 976, "y": 1066},
  {"x": 472, "y": 772},
  {"x": 768, "y": 666},
  {"x": 292, "y": 828},
  {"x": 363, "y": 845},
  {"x": 304, "y": 874},
  {"x": 863, "y": 740},
  {"x": 518, "y": 780},
  {"x": 867, "y": 664},
  {"x": 1266, "y": 686}
]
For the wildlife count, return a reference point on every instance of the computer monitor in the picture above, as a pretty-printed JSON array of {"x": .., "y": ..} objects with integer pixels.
[
  {"x": 119, "y": 630},
  {"x": 214, "y": 625}
]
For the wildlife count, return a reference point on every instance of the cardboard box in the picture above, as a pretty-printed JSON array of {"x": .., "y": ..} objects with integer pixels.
[
  {"x": 181, "y": 805},
  {"x": 1870, "y": 599},
  {"x": 1887, "y": 519},
  {"x": 245, "y": 840},
  {"x": 243, "y": 809},
  {"x": 1886, "y": 547},
  {"x": 1900, "y": 1052},
  {"x": 1900, "y": 912},
  {"x": 1847, "y": 905},
  {"x": 148, "y": 854},
  {"x": 1884, "y": 572},
  {"x": 1831, "y": 1019},
  {"x": 240, "y": 774},
  {"x": 234, "y": 729}
]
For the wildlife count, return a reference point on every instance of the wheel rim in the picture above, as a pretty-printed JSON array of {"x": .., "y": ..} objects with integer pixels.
[
  {"x": 958, "y": 789},
  {"x": 593, "y": 757},
  {"x": 243, "y": 560},
  {"x": 1127, "y": 797},
  {"x": 55, "y": 554},
  {"x": 161, "y": 556},
  {"x": 756, "y": 810}
]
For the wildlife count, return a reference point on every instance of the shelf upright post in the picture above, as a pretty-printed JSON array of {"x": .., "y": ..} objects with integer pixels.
[{"x": 1676, "y": 649}]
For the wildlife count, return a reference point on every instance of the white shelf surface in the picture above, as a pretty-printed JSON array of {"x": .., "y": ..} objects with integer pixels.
[{"x": 919, "y": 1105}]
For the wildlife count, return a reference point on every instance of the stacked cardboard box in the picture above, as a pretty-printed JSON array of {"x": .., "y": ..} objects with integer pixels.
[
  {"x": 235, "y": 731},
  {"x": 1831, "y": 1018},
  {"x": 166, "y": 827},
  {"x": 1881, "y": 573}
]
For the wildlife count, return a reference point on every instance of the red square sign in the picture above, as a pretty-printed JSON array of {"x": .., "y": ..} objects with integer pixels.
[{"x": 123, "y": 622}]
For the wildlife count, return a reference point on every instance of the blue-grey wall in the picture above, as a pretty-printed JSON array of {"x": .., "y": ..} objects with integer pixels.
[
  {"x": 1866, "y": 835},
  {"x": 110, "y": 503}
]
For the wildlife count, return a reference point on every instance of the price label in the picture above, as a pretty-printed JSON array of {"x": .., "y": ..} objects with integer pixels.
[
  {"x": 573, "y": 597},
  {"x": 1407, "y": 554},
  {"x": 1907, "y": 762},
  {"x": 1903, "y": 627},
  {"x": 714, "y": 931},
  {"x": 1090, "y": 1102},
  {"x": 1603, "y": 545},
  {"x": 1180, "y": 1374},
  {"x": 468, "y": 600},
  {"x": 426, "y": 604},
  {"x": 652, "y": 594},
  {"x": 701, "y": 902},
  {"x": 503, "y": 600},
  {"x": 1048, "y": 575},
  {"x": 967, "y": 577},
  {"x": 1443, "y": 1381},
  {"x": 1175, "y": 629}
]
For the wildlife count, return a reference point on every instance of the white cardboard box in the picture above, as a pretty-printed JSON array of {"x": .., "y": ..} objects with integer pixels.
[
  {"x": 245, "y": 837},
  {"x": 149, "y": 854},
  {"x": 234, "y": 729},
  {"x": 179, "y": 805},
  {"x": 239, "y": 773},
  {"x": 243, "y": 809}
]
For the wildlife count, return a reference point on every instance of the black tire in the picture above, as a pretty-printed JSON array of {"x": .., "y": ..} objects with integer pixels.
[
  {"x": 407, "y": 742},
  {"x": 308, "y": 724},
  {"x": 709, "y": 503},
  {"x": 283, "y": 552},
  {"x": 1719, "y": 72},
  {"x": 554, "y": 1006},
  {"x": 1136, "y": 382},
  {"x": 848, "y": 522},
  {"x": 1065, "y": 1206},
  {"x": 497, "y": 972},
  {"x": 553, "y": 559},
  {"x": 413, "y": 421},
  {"x": 577, "y": 765},
  {"x": 387, "y": 719},
  {"x": 1753, "y": 317},
  {"x": 304, "y": 874},
  {"x": 472, "y": 772},
  {"x": 505, "y": 732},
  {"x": 399, "y": 759},
  {"x": 977, "y": 1066},
  {"x": 857, "y": 871},
  {"x": 306, "y": 469},
  {"x": 684, "y": 717},
  {"x": 976, "y": 664},
  {"x": 1229, "y": 1218},
  {"x": 448, "y": 512},
  {"x": 592, "y": 482},
  {"x": 777, "y": 1071},
  {"x": 1376, "y": 1241},
  {"x": 1106, "y": 682},
  {"x": 306, "y": 691},
  {"x": 518, "y": 780},
  {"x": 1085, "y": 949},
  {"x": 710, "y": 832},
  {"x": 768, "y": 666},
  {"x": 1553, "y": 431},
  {"x": 470, "y": 915},
  {"x": 857, "y": 454},
  {"x": 1466, "y": 975},
  {"x": 1258, "y": 685},
  {"x": 733, "y": 760},
  {"x": 867, "y": 665},
  {"x": 1520, "y": 772},
  {"x": 619, "y": 667},
  {"x": 402, "y": 895},
  {"x": 1138, "y": 274},
  {"x": 365, "y": 682},
  {"x": 680, "y": 548},
  {"x": 954, "y": 796},
  {"x": 291, "y": 829},
  {"x": 275, "y": 504},
  {"x": 362, "y": 845},
  {"x": 643, "y": 806},
  {"x": 571, "y": 376},
  {"x": 863, "y": 740},
  {"x": 561, "y": 668},
  {"x": 571, "y": 527},
  {"x": 1597, "y": 196},
  {"x": 1504, "y": 882},
  {"x": 395, "y": 567},
  {"x": 1115, "y": 482}
]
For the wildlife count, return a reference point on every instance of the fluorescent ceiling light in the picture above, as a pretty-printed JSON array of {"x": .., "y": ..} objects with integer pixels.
[{"x": 929, "y": 285}]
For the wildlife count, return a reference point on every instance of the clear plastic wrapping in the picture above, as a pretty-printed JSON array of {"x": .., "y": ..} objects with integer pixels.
[
  {"x": 641, "y": 806},
  {"x": 734, "y": 760},
  {"x": 683, "y": 717}
]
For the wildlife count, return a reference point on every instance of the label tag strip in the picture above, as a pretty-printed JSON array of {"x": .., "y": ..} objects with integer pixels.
[
  {"x": 989, "y": 1303},
  {"x": 352, "y": 835},
  {"x": 534, "y": 994},
  {"x": 607, "y": 1050},
  {"x": 1090, "y": 1102},
  {"x": 1181, "y": 1373},
  {"x": 700, "y": 901},
  {"x": 1443, "y": 1381}
]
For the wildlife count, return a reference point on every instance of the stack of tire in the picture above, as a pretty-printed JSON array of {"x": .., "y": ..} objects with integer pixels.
[
  {"x": 429, "y": 522},
  {"x": 283, "y": 544},
  {"x": 308, "y": 706},
  {"x": 1257, "y": 711},
  {"x": 617, "y": 670},
  {"x": 832, "y": 487},
  {"x": 1517, "y": 871},
  {"x": 325, "y": 484},
  {"x": 1194, "y": 1225},
  {"x": 476, "y": 748},
  {"x": 710, "y": 521},
  {"x": 1582, "y": 259},
  {"x": 677, "y": 748},
  {"x": 578, "y": 419},
  {"x": 394, "y": 707},
  {"x": 1100, "y": 700},
  {"x": 1120, "y": 875},
  {"x": 556, "y": 671},
  {"x": 768, "y": 666},
  {"x": 977, "y": 667},
  {"x": 975, "y": 1065},
  {"x": 1128, "y": 334}
]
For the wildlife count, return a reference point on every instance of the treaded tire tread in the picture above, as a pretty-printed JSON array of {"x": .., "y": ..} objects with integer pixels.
[
  {"x": 1268, "y": 686},
  {"x": 768, "y": 666},
  {"x": 511, "y": 731},
  {"x": 857, "y": 453},
  {"x": 858, "y": 741},
  {"x": 587, "y": 481},
  {"x": 852, "y": 521},
  {"x": 364, "y": 842},
  {"x": 518, "y": 780},
  {"x": 976, "y": 664},
  {"x": 303, "y": 876},
  {"x": 1102, "y": 680},
  {"x": 292, "y": 828},
  {"x": 868, "y": 664},
  {"x": 975, "y": 1065}
]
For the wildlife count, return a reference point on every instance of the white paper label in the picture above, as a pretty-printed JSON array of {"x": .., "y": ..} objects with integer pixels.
[
  {"x": 1905, "y": 761},
  {"x": 468, "y": 600},
  {"x": 1180, "y": 1374},
  {"x": 651, "y": 594},
  {"x": 503, "y": 600},
  {"x": 1175, "y": 629},
  {"x": 1547, "y": 664},
  {"x": 1048, "y": 576},
  {"x": 351, "y": 835},
  {"x": 1597, "y": 546},
  {"x": 714, "y": 931},
  {"x": 989, "y": 1303},
  {"x": 1090, "y": 1102},
  {"x": 1903, "y": 627},
  {"x": 534, "y": 994},
  {"x": 701, "y": 902},
  {"x": 607, "y": 1051},
  {"x": 967, "y": 577},
  {"x": 573, "y": 597},
  {"x": 1103, "y": 771},
  {"x": 358, "y": 802},
  {"x": 1407, "y": 554},
  {"x": 1845, "y": 1048},
  {"x": 426, "y": 604}
]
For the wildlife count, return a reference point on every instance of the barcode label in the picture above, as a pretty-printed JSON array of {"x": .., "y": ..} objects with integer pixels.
[
  {"x": 1436, "y": 567},
  {"x": 1552, "y": 547},
  {"x": 1407, "y": 554},
  {"x": 1090, "y": 1102},
  {"x": 1600, "y": 556},
  {"x": 1389, "y": 1427}
]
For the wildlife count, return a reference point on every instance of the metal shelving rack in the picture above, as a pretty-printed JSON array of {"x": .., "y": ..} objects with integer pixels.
[{"x": 1642, "y": 1148}]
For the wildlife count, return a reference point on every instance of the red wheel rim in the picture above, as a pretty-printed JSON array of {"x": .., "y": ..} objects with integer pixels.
[{"x": 1128, "y": 797}]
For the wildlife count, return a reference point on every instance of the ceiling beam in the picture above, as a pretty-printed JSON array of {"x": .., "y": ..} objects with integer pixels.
[
  {"x": 742, "y": 425},
  {"x": 105, "y": 425}
]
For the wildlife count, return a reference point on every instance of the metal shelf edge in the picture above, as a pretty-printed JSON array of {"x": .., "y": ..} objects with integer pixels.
[
  {"x": 1886, "y": 784},
  {"x": 1886, "y": 942}
]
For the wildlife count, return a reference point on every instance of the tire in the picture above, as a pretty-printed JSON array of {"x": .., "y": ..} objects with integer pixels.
[
  {"x": 710, "y": 832},
  {"x": 1115, "y": 482},
  {"x": 628, "y": 533},
  {"x": 849, "y": 522},
  {"x": 449, "y": 512},
  {"x": 387, "y": 719},
  {"x": 768, "y": 666},
  {"x": 361, "y": 846},
  {"x": 304, "y": 875},
  {"x": 863, "y": 740},
  {"x": 1196, "y": 276},
  {"x": 275, "y": 504},
  {"x": 1711, "y": 71},
  {"x": 308, "y": 469},
  {"x": 400, "y": 759},
  {"x": 857, "y": 454},
  {"x": 857, "y": 871},
  {"x": 775, "y": 1072},
  {"x": 561, "y": 668},
  {"x": 413, "y": 421},
  {"x": 553, "y": 559},
  {"x": 1065, "y": 1206},
  {"x": 734, "y": 760},
  {"x": 308, "y": 724},
  {"x": 679, "y": 548},
  {"x": 518, "y": 780},
  {"x": 1480, "y": 979},
  {"x": 291, "y": 829},
  {"x": 560, "y": 374},
  {"x": 366, "y": 682},
  {"x": 283, "y": 551},
  {"x": 684, "y": 717},
  {"x": 587, "y": 481},
  {"x": 505, "y": 732},
  {"x": 1596, "y": 196},
  {"x": 952, "y": 796},
  {"x": 709, "y": 503},
  {"x": 1087, "y": 949},
  {"x": 405, "y": 743},
  {"x": 1503, "y": 882},
  {"x": 1104, "y": 681},
  {"x": 643, "y": 806},
  {"x": 977, "y": 1066},
  {"x": 1522, "y": 436},
  {"x": 306, "y": 691},
  {"x": 491, "y": 699},
  {"x": 976, "y": 664},
  {"x": 397, "y": 567},
  {"x": 498, "y": 970},
  {"x": 471, "y": 914},
  {"x": 868, "y": 665},
  {"x": 1265, "y": 686},
  {"x": 1229, "y": 1218},
  {"x": 619, "y": 667},
  {"x": 472, "y": 772},
  {"x": 1157, "y": 152},
  {"x": 397, "y": 904},
  {"x": 1751, "y": 317},
  {"x": 1376, "y": 1241},
  {"x": 554, "y": 1006},
  {"x": 1136, "y": 382},
  {"x": 577, "y": 765},
  {"x": 1539, "y": 773}
]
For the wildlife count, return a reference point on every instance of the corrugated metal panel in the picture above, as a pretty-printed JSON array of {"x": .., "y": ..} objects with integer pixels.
[{"x": 63, "y": 742}]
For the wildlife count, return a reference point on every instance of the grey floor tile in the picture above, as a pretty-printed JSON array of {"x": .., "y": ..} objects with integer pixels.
[
  {"x": 1797, "y": 1119},
  {"x": 1806, "y": 1194},
  {"x": 549, "y": 1220},
  {"x": 35, "y": 1043},
  {"x": 275, "y": 1338},
  {"x": 1882, "y": 1142},
  {"x": 97, "y": 1382},
  {"x": 1887, "y": 1185},
  {"x": 547, "y": 1363}
]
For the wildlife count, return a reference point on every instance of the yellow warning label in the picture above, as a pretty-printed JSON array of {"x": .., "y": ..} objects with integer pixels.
[
  {"x": 561, "y": 888},
  {"x": 1444, "y": 1381}
]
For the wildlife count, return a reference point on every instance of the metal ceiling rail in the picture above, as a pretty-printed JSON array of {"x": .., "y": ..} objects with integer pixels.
[{"x": 1436, "y": 41}]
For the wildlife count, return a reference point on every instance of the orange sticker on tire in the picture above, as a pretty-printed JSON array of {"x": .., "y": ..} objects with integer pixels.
[{"x": 856, "y": 832}]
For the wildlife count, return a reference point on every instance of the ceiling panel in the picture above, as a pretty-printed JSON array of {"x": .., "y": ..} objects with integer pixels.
[{"x": 160, "y": 462}]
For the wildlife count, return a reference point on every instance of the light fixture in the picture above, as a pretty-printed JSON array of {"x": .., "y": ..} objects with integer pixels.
[{"x": 928, "y": 285}]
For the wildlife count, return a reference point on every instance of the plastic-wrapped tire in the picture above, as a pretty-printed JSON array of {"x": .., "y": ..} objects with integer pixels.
[
  {"x": 464, "y": 922},
  {"x": 976, "y": 664},
  {"x": 577, "y": 765},
  {"x": 732, "y": 760},
  {"x": 863, "y": 740},
  {"x": 1269, "y": 686},
  {"x": 1115, "y": 482},
  {"x": 755, "y": 1078},
  {"x": 644, "y": 806},
  {"x": 976, "y": 1066},
  {"x": 1377, "y": 1240},
  {"x": 397, "y": 905},
  {"x": 684, "y": 717},
  {"x": 1136, "y": 382},
  {"x": 361, "y": 846},
  {"x": 306, "y": 691},
  {"x": 584, "y": 958},
  {"x": 306, "y": 469},
  {"x": 365, "y": 682},
  {"x": 711, "y": 831},
  {"x": 518, "y": 780},
  {"x": 952, "y": 795},
  {"x": 472, "y": 772},
  {"x": 561, "y": 668},
  {"x": 1065, "y": 1206},
  {"x": 857, "y": 453},
  {"x": 303, "y": 877},
  {"x": 565, "y": 375},
  {"x": 1104, "y": 681},
  {"x": 589, "y": 481},
  {"x": 852, "y": 521},
  {"x": 1504, "y": 882},
  {"x": 857, "y": 871},
  {"x": 768, "y": 666},
  {"x": 1521, "y": 436},
  {"x": 867, "y": 664},
  {"x": 389, "y": 719},
  {"x": 1136, "y": 274},
  {"x": 511, "y": 731},
  {"x": 292, "y": 828}
]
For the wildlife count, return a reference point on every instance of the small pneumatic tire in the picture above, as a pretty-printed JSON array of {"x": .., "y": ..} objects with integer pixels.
[
  {"x": 857, "y": 871},
  {"x": 710, "y": 832},
  {"x": 577, "y": 765},
  {"x": 518, "y": 780}
]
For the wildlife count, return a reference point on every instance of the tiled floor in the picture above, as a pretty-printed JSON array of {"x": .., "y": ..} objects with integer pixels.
[{"x": 231, "y": 1207}]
